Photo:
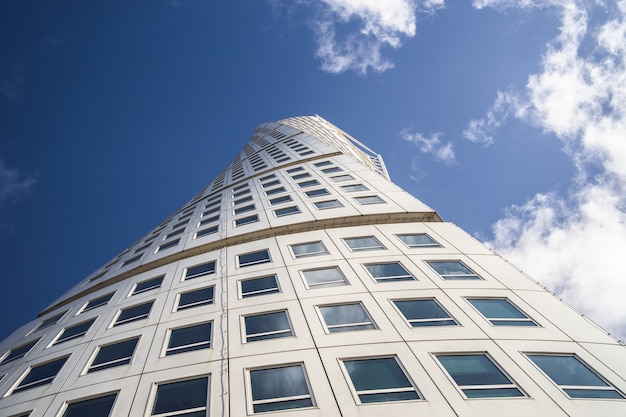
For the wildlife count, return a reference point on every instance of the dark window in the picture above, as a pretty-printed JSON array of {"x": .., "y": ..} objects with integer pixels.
[
  {"x": 134, "y": 313},
  {"x": 380, "y": 380},
  {"x": 41, "y": 375},
  {"x": 187, "y": 339},
  {"x": 184, "y": 398},
  {"x": 390, "y": 271},
  {"x": 287, "y": 211},
  {"x": 501, "y": 312},
  {"x": 317, "y": 193},
  {"x": 275, "y": 191},
  {"x": 196, "y": 298},
  {"x": 74, "y": 332},
  {"x": 309, "y": 183},
  {"x": 19, "y": 352},
  {"x": 98, "y": 302},
  {"x": 282, "y": 199},
  {"x": 259, "y": 286},
  {"x": 254, "y": 258},
  {"x": 267, "y": 326},
  {"x": 425, "y": 312},
  {"x": 282, "y": 388},
  {"x": 94, "y": 407},
  {"x": 117, "y": 354},
  {"x": 148, "y": 285},
  {"x": 200, "y": 270},
  {"x": 246, "y": 220},
  {"x": 206, "y": 232}
]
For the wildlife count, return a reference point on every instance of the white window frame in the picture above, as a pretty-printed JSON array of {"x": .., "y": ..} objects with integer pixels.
[
  {"x": 289, "y": 332},
  {"x": 325, "y": 284},
  {"x": 197, "y": 303},
  {"x": 253, "y": 402},
  {"x": 494, "y": 321},
  {"x": 171, "y": 351},
  {"x": 426, "y": 320},
  {"x": 364, "y": 248},
  {"x": 328, "y": 328},
  {"x": 293, "y": 254},
  {"x": 394, "y": 278}
]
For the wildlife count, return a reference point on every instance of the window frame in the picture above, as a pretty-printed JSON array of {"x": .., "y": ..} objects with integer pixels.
[
  {"x": 68, "y": 404},
  {"x": 434, "y": 243},
  {"x": 6, "y": 358},
  {"x": 376, "y": 199},
  {"x": 242, "y": 221},
  {"x": 179, "y": 296},
  {"x": 317, "y": 193},
  {"x": 252, "y": 402},
  {"x": 160, "y": 279},
  {"x": 187, "y": 277},
  {"x": 192, "y": 347},
  {"x": 324, "y": 284},
  {"x": 86, "y": 307},
  {"x": 256, "y": 262},
  {"x": 348, "y": 325},
  {"x": 182, "y": 411},
  {"x": 432, "y": 320},
  {"x": 380, "y": 246},
  {"x": 59, "y": 339},
  {"x": 287, "y": 211},
  {"x": 258, "y": 337},
  {"x": 44, "y": 380},
  {"x": 119, "y": 361},
  {"x": 308, "y": 254},
  {"x": 264, "y": 291},
  {"x": 142, "y": 316},
  {"x": 337, "y": 204},
  {"x": 503, "y": 321},
  {"x": 463, "y": 277},
  {"x": 393, "y": 278}
]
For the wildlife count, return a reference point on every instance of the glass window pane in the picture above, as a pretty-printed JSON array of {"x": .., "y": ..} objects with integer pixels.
[
  {"x": 501, "y": 312},
  {"x": 346, "y": 317},
  {"x": 363, "y": 243},
  {"x": 425, "y": 312},
  {"x": 267, "y": 326},
  {"x": 259, "y": 286},
  {"x": 97, "y": 302},
  {"x": 183, "y": 395},
  {"x": 134, "y": 313},
  {"x": 473, "y": 370},
  {"x": 279, "y": 385},
  {"x": 370, "y": 199},
  {"x": 114, "y": 355},
  {"x": 323, "y": 205},
  {"x": 567, "y": 370},
  {"x": 199, "y": 270},
  {"x": 94, "y": 407},
  {"x": 388, "y": 272},
  {"x": 420, "y": 240},
  {"x": 341, "y": 178},
  {"x": 190, "y": 338},
  {"x": 148, "y": 285},
  {"x": 324, "y": 277},
  {"x": 371, "y": 374},
  {"x": 287, "y": 211},
  {"x": 19, "y": 351},
  {"x": 74, "y": 331},
  {"x": 254, "y": 258},
  {"x": 246, "y": 220},
  {"x": 452, "y": 270},
  {"x": 317, "y": 193},
  {"x": 355, "y": 187},
  {"x": 196, "y": 298},
  {"x": 308, "y": 249},
  {"x": 41, "y": 375}
]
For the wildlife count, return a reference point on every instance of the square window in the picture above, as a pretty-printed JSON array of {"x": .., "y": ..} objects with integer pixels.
[
  {"x": 259, "y": 286},
  {"x": 345, "y": 318},
  {"x": 275, "y": 191},
  {"x": 93, "y": 407},
  {"x": 19, "y": 352},
  {"x": 282, "y": 388},
  {"x": 182, "y": 398},
  {"x": 380, "y": 380},
  {"x": 300, "y": 176},
  {"x": 328, "y": 204},
  {"x": 117, "y": 354},
  {"x": 97, "y": 302},
  {"x": 389, "y": 271},
  {"x": 501, "y": 312},
  {"x": 200, "y": 270},
  {"x": 196, "y": 298},
  {"x": 369, "y": 199},
  {"x": 190, "y": 338},
  {"x": 254, "y": 258},
  {"x": 282, "y": 199},
  {"x": 341, "y": 178},
  {"x": 574, "y": 377},
  {"x": 309, "y": 183},
  {"x": 40, "y": 375},
  {"x": 148, "y": 285},
  {"x": 168, "y": 245},
  {"x": 353, "y": 188},
  {"x": 418, "y": 240},
  {"x": 74, "y": 332},
  {"x": 363, "y": 243},
  {"x": 478, "y": 376},
  {"x": 206, "y": 232},
  {"x": 267, "y": 326},
  {"x": 303, "y": 250},
  {"x": 246, "y": 220},
  {"x": 134, "y": 313},
  {"x": 287, "y": 211},
  {"x": 317, "y": 193},
  {"x": 424, "y": 312},
  {"x": 324, "y": 277},
  {"x": 244, "y": 209},
  {"x": 452, "y": 270}
]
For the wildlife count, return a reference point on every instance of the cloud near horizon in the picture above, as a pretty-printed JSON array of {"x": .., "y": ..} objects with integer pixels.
[{"x": 573, "y": 244}]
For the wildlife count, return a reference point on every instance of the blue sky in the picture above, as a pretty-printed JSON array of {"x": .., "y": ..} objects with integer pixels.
[{"x": 507, "y": 117}]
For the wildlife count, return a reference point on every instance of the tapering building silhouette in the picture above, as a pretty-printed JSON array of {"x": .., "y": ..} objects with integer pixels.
[{"x": 303, "y": 281}]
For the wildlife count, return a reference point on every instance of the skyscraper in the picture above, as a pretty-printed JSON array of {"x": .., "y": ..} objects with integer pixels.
[{"x": 302, "y": 279}]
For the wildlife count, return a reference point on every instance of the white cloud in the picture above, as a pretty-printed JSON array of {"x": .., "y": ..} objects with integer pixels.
[
  {"x": 431, "y": 145},
  {"x": 482, "y": 130},
  {"x": 575, "y": 244},
  {"x": 381, "y": 24},
  {"x": 13, "y": 184}
]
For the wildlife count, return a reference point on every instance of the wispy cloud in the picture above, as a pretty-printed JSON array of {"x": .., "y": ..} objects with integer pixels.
[
  {"x": 574, "y": 243},
  {"x": 14, "y": 184},
  {"x": 430, "y": 145},
  {"x": 482, "y": 130}
]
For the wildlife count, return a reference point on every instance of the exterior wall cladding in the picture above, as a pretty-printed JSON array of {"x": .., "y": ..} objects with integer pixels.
[{"x": 303, "y": 282}]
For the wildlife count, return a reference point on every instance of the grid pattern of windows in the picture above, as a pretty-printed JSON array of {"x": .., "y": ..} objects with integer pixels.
[
  {"x": 380, "y": 380},
  {"x": 283, "y": 388},
  {"x": 40, "y": 375},
  {"x": 259, "y": 286},
  {"x": 113, "y": 355},
  {"x": 346, "y": 317},
  {"x": 196, "y": 298},
  {"x": 183, "y": 398},
  {"x": 478, "y": 376},
  {"x": 190, "y": 338},
  {"x": 266, "y": 326},
  {"x": 501, "y": 312},
  {"x": 424, "y": 312},
  {"x": 574, "y": 377},
  {"x": 453, "y": 270}
]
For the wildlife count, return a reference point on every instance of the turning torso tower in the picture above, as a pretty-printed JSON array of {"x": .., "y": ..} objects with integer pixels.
[{"x": 302, "y": 282}]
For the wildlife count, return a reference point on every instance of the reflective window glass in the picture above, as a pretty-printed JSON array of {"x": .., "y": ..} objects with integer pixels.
[
  {"x": 40, "y": 375},
  {"x": 254, "y": 258},
  {"x": 183, "y": 398},
  {"x": 200, "y": 270},
  {"x": 425, "y": 312},
  {"x": 282, "y": 388},
  {"x": 190, "y": 338},
  {"x": 267, "y": 326},
  {"x": 346, "y": 317},
  {"x": 196, "y": 298},
  {"x": 93, "y": 407},
  {"x": 501, "y": 312},
  {"x": 418, "y": 240},
  {"x": 390, "y": 271},
  {"x": 363, "y": 243},
  {"x": 259, "y": 286},
  {"x": 308, "y": 249},
  {"x": 452, "y": 270},
  {"x": 134, "y": 313},
  {"x": 324, "y": 277},
  {"x": 117, "y": 354},
  {"x": 380, "y": 380}
]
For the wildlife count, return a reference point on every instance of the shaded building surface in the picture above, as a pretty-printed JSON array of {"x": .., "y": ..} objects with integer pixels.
[{"x": 301, "y": 280}]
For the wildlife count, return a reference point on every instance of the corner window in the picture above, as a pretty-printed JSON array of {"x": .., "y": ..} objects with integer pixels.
[
  {"x": 195, "y": 298},
  {"x": 287, "y": 211},
  {"x": 303, "y": 250},
  {"x": 93, "y": 407},
  {"x": 390, "y": 271},
  {"x": 259, "y": 286},
  {"x": 369, "y": 199},
  {"x": 452, "y": 270},
  {"x": 254, "y": 258},
  {"x": 267, "y": 326},
  {"x": 423, "y": 313},
  {"x": 134, "y": 313},
  {"x": 501, "y": 312},
  {"x": 324, "y": 277},
  {"x": 200, "y": 270},
  {"x": 283, "y": 388},
  {"x": 380, "y": 380},
  {"x": 353, "y": 188},
  {"x": 317, "y": 193},
  {"x": 148, "y": 285},
  {"x": 74, "y": 332},
  {"x": 183, "y": 398},
  {"x": 478, "y": 376},
  {"x": 574, "y": 377},
  {"x": 363, "y": 243},
  {"x": 187, "y": 339},
  {"x": 19, "y": 352},
  {"x": 328, "y": 204},
  {"x": 345, "y": 318},
  {"x": 419, "y": 240},
  {"x": 97, "y": 302},
  {"x": 40, "y": 375},
  {"x": 117, "y": 354},
  {"x": 246, "y": 220}
]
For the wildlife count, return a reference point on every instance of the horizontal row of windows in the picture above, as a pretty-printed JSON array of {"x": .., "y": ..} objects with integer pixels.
[{"x": 376, "y": 379}]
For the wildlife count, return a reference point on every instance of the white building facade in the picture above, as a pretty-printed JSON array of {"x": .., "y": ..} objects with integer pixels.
[{"x": 303, "y": 282}]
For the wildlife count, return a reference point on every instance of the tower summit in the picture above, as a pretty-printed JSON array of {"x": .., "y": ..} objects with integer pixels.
[{"x": 302, "y": 280}]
